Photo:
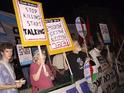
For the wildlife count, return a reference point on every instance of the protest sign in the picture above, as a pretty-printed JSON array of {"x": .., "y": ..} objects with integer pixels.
[
  {"x": 81, "y": 27},
  {"x": 24, "y": 54},
  {"x": 59, "y": 36},
  {"x": 105, "y": 33},
  {"x": 30, "y": 20}
]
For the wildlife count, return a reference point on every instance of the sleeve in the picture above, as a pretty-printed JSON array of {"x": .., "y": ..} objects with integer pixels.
[
  {"x": 49, "y": 71},
  {"x": 83, "y": 56},
  {"x": 33, "y": 70}
]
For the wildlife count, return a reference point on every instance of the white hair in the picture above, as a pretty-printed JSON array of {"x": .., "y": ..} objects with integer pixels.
[{"x": 37, "y": 55}]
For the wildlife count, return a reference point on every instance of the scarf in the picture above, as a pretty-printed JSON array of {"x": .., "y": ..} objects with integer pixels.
[{"x": 8, "y": 67}]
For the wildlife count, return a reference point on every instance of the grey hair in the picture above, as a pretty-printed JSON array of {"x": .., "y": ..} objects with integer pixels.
[{"x": 36, "y": 55}]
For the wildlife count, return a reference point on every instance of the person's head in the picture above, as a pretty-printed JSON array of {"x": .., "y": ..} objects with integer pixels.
[
  {"x": 37, "y": 58},
  {"x": 77, "y": 46},
  {"x": 6, "y": 50}
]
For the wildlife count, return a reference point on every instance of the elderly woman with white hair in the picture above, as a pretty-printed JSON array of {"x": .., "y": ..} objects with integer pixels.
[{"x": 40, "y": 74}]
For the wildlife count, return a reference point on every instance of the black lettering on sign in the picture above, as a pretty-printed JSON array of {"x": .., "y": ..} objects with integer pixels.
[
  {"x": 101, "y": 59},
  {"x": 20, "y": 50},
  {"x": 59, "y": 44},
  {"x": 106, "y": 78},
  {"x": 57, "y": 38},
  {"x": 33, "y": 31},
  {"x": 26, "y": 50},
  {"x": 108, "y": 89},
  {"x": 27, "y": 3},
  {"x": 56, "y": 32},
  {"x": 53, "y": 27},
  {"x": 51, "y": 21},
  {"x": 98, "y": 82},
  {"x": 113, "y": 85},
  {"x": 34, "y": 23},
  {"x": 31, "y": 10},
  {"x": 32, "y": 16}
]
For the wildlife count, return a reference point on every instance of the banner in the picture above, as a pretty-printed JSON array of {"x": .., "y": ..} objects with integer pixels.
[
  {"x": 30, "y": 21},
  {"x": 59, "y": 36},
  {"x": 105, "y": 33},
  {"x": 67, "y": 89},
  {"x": 24, "y": 54},
  {"x": 106, "y": 82},
  {"x": 82, "y": 86}
]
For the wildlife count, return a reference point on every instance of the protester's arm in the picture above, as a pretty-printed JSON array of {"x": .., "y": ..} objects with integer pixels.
[
  {"x": 7, "y": 86},
  {"x": 10, "y": 86},
  {"x": 36, "y": 75},
  {"x": 51, "y": 76}
]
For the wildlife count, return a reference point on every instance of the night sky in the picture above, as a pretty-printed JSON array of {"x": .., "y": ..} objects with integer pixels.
[{"x": 66, "y": 8}]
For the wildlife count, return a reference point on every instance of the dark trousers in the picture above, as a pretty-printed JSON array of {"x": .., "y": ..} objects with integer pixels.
[{"x": 61, "y": 79}]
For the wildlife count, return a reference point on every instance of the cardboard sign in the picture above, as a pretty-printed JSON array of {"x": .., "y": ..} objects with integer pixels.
[
  {"x": 24, "y": 54},
  {"x": 105, "y": 33},
  {"x": 81, "y": 27},
  {"x": 59, "y": 36},
  {"x": 30, "y": 21}
]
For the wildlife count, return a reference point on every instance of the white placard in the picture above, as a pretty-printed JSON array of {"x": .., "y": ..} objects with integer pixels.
[
  {"x": 24, "y": 54},
  {"x": 31, "y": 21},
  {"x": 59, "y": 36},
  {"x": 105, "y": 33}
]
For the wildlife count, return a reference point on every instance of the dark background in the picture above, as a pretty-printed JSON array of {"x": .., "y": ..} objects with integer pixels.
[{"x": 70, "y": 9}]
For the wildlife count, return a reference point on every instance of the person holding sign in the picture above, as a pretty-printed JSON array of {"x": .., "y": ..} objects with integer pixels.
[
  {"x": 76, "y": 59},
  {"x": 8, "y": 84},
  {"x": 40, "y": 74}
]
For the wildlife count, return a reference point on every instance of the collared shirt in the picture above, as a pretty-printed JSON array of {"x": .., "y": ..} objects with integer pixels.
[{"x": 7, "y": 77}]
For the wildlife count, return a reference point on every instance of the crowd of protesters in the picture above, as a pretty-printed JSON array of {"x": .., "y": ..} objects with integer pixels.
[{"x": 44, "y": 75}]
